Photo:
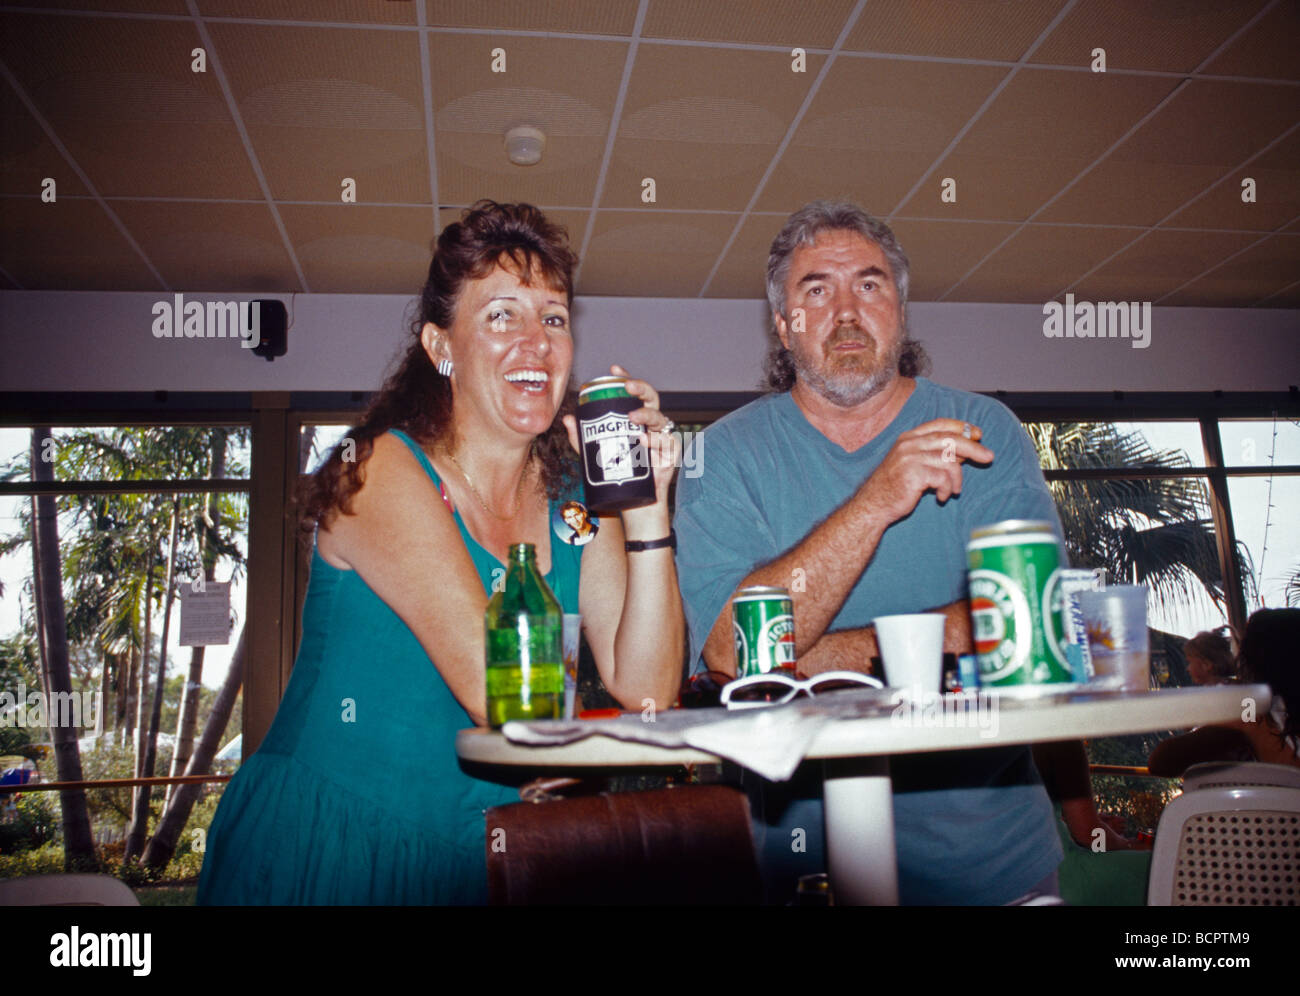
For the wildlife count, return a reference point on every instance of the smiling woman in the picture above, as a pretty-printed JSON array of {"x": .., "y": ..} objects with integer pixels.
[{"x": 355, "y": 796}]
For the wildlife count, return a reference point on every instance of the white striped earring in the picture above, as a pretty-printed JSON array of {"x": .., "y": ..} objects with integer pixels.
[{"x": 444, "y": 367}]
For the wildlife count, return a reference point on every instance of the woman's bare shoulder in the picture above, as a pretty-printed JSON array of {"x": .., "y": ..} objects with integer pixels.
[{"x": 395, "y": 491}]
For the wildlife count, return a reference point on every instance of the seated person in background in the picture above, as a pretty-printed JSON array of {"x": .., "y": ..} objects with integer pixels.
[
  {"x": 856, "y": 483},
  {"x": 1064, "y": 767},
  {"x": 356, "y": 795},
  {"x": 1209, "y": 657},
  {"x": 1269, "y": 653},
  {"x": 1100, "y": 866}
]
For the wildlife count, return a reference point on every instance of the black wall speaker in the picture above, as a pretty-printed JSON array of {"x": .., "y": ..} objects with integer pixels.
[{"x": 273, "y": 321}]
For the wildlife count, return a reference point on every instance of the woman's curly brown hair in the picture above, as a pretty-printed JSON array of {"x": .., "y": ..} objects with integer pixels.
[{"x": 416, "y": 398}]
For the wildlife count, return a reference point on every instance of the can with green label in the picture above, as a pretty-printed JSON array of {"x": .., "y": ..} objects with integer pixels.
[
  {"x": 1015, "y": 606},
  {"x": 763, "y": 625}
]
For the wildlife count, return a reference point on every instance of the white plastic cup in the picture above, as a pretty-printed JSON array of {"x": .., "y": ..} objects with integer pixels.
[
  {"x": 572, "y": 641},
  {"x": 911, "y": 647},
  {"x": 1118, "y": 640}
]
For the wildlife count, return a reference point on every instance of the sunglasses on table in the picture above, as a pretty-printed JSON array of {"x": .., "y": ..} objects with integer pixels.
[{"x": 760, "y": 690}]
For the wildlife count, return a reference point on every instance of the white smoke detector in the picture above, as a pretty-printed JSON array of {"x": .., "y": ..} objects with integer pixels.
[{"x": 524, "y": 145}]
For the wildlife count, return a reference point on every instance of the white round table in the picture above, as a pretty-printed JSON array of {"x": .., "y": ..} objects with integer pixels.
[{"x": 858, "y": 792}]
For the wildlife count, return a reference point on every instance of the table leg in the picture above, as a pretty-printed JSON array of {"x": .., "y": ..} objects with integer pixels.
[{"x": 860, "y": 852}]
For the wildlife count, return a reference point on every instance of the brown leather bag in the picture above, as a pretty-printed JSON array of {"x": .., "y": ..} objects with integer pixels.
[{"x": 686, "y": 845}]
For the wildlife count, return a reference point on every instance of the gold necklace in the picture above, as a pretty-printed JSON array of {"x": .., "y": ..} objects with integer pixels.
[{"x": 519, "y": 488}]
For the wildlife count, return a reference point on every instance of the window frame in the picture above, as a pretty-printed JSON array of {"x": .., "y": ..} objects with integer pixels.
[
  {"x": 48, "y": 413},
  {"x": 276, "y": 419}
]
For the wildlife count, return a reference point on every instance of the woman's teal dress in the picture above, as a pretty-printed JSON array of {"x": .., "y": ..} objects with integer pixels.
[{"x": 356, "y": 795}]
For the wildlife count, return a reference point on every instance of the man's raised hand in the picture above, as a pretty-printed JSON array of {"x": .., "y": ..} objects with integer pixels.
[{"x": 927, "y": 458}]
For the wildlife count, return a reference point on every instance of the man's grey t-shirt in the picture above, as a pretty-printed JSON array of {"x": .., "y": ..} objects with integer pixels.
[{"x": 972, "y": 826}]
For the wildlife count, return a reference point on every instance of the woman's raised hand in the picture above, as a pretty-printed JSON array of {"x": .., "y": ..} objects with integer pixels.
[{"x": 663, "y": 445}]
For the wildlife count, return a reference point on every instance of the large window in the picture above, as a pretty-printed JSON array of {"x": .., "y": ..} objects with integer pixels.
[
  {"x": 106, "y": 531},
  {"x": 1261, "y": 457},
  {"x": 317, "y": 442},
  {"x": 1202, "y": 512},
  {"x": 1134, "y": 500},
  {"x": 1200, "y": 508}
]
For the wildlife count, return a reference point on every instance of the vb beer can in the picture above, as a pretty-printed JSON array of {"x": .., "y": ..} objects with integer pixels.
[
  {"x": 1015, "y": 604},
  {"x": 616, "y": 472},
  {"x": 763, "y": 624}
]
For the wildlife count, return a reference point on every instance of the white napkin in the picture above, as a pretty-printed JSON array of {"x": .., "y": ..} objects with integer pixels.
[{"x": 771, "y": 741}]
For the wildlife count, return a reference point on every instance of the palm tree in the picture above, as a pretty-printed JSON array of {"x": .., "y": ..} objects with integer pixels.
[
  {"x": 162, "y": 845},
  {"x": 207, "y": 526},
  {"x": 137, "y": 526},
  {"x": 1155, "y": 531},
  {"x": 147, "y": 757},
  {"x": 114, "y": 575},
  {"x": 52, "y": 633}
]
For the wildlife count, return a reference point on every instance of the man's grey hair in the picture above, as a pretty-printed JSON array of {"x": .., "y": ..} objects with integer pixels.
[{"x": 802, "y": 229}]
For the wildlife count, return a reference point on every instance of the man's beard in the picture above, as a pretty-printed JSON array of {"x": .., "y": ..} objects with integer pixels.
[{"x": 851, "y": 385}]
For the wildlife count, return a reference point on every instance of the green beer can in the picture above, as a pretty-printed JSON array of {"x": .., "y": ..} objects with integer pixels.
[
  {"x": 763, "y": 624},
  {"x": 1015, "y": 607}
]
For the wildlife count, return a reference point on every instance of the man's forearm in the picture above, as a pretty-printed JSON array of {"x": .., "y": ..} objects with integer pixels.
[
  {"x": 852, "y": 649},
  {"x": 820, "y": 572},
  {"x": 843, "y": 650}
]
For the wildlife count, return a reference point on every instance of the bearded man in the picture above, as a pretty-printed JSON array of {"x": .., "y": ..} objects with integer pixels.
[{"x": 856, "y": 483}]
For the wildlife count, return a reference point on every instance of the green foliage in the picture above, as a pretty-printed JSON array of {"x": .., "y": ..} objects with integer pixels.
[
  {"x": 114, "y": 551},
  {"x": 132, "y": 872},
  {"x": 113, "y": 546},
  {"x": 15, "y": 740},
  {"x": 109, "y": 808},
  {"x": 19, "y": 666},
  {"x": 1139, "y": 801},
  {"x": 19, "y": 662},
  {"x": 45, "y": 860},
  {"x": 31, "y": 822},
  {"x": 187, "y": 862},
  {"x": 18, "y": 740}
]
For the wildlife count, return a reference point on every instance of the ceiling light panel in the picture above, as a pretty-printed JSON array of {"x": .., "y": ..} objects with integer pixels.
[
  {"x": 121, "y": 95},
  {"x": 567, "y": 88},
  {"x": 703, "y": 124},
  {"x": 324, "y": 105},
  {"x": 874, "y": 127}
]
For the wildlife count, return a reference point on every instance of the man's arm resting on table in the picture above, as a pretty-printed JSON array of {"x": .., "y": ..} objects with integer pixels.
[
  {"x": 851, "y": 649},
  {"x": 832, "y": 557}
]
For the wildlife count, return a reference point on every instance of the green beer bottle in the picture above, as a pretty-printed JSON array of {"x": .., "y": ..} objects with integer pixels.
[{"x": 525, "y": 659}]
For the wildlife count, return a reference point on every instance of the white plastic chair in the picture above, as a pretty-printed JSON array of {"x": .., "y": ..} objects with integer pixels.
[
  {"x": 1231, "y": 839},
  {"x": 1200, "y": 776},
  {"x": 66, "y": 890}
]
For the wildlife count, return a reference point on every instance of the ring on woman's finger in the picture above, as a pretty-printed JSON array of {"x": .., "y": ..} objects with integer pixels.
[
  {"x": 966, "y": 430},
  {"x": 668, "y": 426}
]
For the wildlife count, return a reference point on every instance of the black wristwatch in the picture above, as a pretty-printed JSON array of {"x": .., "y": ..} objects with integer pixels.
[{"x": 636, "y": 546}]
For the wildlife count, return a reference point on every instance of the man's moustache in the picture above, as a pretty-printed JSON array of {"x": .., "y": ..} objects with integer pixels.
[{"x": 852, "y": 335}]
